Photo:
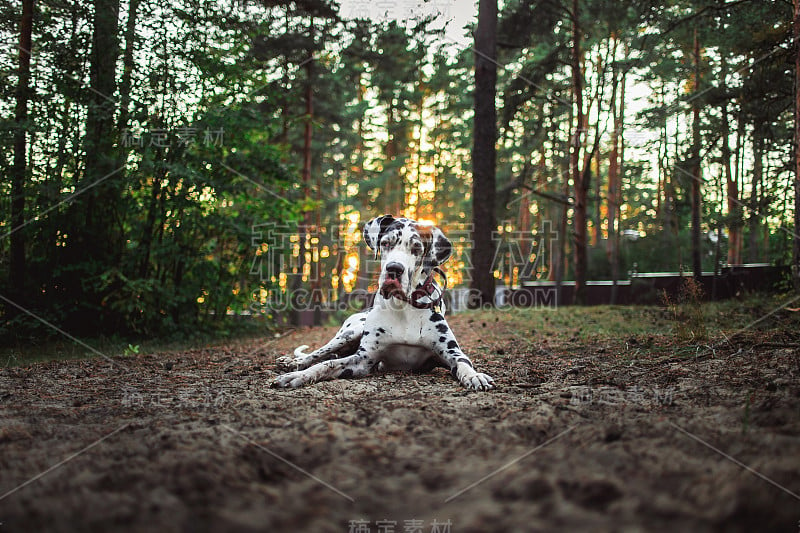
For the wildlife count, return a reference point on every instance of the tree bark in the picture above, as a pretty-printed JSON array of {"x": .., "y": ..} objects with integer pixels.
[
  {"x": 796, "y": 247},
  {"x": 597, "y": 205},
  {"x": 613, "y": 187},
  {"x": 306, "y": 172},
  {"x": 697, "y": 267},
  {"x": 127, "y": 68},
  {"x": 562, "y": 264},
  {"x": 95, "y": 245},
  {"x": 732, "y": 195},
  {"x": 309, "y": 97},
  {"x": 524, "y": 226},
  {"x": 99, "y": 209},
  {"x": 483, "y": 154},
  {"x": 756, "y": 194},
  {"x": 17, "y": 237},
  {"x": 580, "y": 180},
  {"x": 620, "y": 168},
  {"x": 394, "y": 188}
]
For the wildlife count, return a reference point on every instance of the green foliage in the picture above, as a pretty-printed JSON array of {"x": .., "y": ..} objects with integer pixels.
[
  {"x": 131, "y": 350},
  {"x": 202, "y": 168}
]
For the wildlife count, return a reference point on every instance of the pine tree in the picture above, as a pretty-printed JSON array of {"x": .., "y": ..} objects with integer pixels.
[
  {"x": 483, "y": 154},
  {"x": 17, "y": 264}
]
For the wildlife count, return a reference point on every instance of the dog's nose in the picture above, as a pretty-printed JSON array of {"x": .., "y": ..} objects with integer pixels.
[{"x": 394, "y": 270}]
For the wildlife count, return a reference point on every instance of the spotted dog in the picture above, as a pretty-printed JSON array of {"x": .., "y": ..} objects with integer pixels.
[{"x": 405, "y": 329}]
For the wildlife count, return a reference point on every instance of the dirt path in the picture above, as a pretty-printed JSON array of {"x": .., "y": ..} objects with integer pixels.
[{"x": 599, "y": 436}]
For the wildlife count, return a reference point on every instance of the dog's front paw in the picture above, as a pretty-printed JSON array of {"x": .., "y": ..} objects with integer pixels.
[
  {"x": 286, "y": 363},
  {"x": 478, "y": 381},
  {"x": 292, "y": 380}
]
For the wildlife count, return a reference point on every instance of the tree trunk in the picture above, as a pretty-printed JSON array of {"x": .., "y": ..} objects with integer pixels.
[
  {"x": 559, "y": 251},
  {"x": 483, "y": 154},
  {"x": 738, "y": 173},
  {"x": 17, "y": 243},
  {"x": 697, "y": 267},
  {"x": 579, "y": 179},
  {"x": 796, "y": 247},
  {"x": 99, "y": 125},
  {"x": 756, "y": 192},
  {"x": 153, "y": 215},
  {"x": 613, "y": 186},
  {"x": 732, "y": 195},
  {"x": 667, "y": 206},
  {"x": 122, "y": 125},
  {"x": 524, "y": 227},
  {"x": 306, "y": 173},
  {"x": 731, "y": 185},
  {"x": 620, "y": 169},
  {"x": 391, "y": 153},
  {"x": 95, "y": 245},
  {"x": 99, "y": 208},
  {"x": 597, "y": 205},
  {"x": 362, "y": 274},
  {"x": 418, "y": 208},
  {"x": 127, "y": 67},
  {"x": 562, "y": 263},
  {"x": 307, "y": 131},
  {"x": 66, "y": 132}
]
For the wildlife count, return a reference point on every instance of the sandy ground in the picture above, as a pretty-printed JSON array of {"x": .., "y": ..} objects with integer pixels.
[{"x": 579, "y": 436}]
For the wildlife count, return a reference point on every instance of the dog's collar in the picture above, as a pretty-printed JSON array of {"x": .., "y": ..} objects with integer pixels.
[{"x": 428, "y": 289}]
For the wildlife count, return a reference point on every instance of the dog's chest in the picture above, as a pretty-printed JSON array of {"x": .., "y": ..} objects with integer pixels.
[
  {"x": 397, "y": 327},
  {"x": 404, "y": 357},
  {"x": 397, "y": 338}
]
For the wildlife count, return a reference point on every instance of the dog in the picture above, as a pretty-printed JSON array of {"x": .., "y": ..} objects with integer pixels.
[{"x": 405, "y": 329}]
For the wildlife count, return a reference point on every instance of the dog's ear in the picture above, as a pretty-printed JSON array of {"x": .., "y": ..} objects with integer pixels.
[
  {"x": 437, "y": 246},
  {"x": 441, "y": 248},
  {"x": 374, "y": 230}
]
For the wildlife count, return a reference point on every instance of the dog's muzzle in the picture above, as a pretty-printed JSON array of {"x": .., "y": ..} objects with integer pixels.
[
  {"x": 393, "y": 284},
  {"x": 392, "y": 287}
]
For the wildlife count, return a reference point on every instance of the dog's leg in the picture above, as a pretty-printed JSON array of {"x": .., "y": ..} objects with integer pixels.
[
  {"x": 348, "y": 336},
  {"x": 357, "y": 365},
  {"x": 442, "y": 341}
]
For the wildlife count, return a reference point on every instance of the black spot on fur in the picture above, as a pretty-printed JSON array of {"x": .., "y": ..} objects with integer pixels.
[
  {"x": 441, "y": 328},
  {"x": 452, "y": 344},
  {"x": 384, "y": 224},
  {"x": 454, "y": 371},
  {"x": 443, "y": 249},
  {"x": 465, "y": 361},
  {"x": 436, "y": 317},
  {"x": 346, "y": 373},
  {"x": 442, "y": 339},
  {"x": 381, "y": 330}
]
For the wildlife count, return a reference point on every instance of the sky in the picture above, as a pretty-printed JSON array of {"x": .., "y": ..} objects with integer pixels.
[{"x": 454, "y": 13}]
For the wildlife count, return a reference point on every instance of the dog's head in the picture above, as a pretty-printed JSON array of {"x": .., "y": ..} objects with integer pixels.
[{"x": 409, "y": 252}]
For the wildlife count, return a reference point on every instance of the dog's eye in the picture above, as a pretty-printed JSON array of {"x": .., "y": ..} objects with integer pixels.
[
  {"x": 386, "y": 244},
  {"x": 416, "y": 248}
]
